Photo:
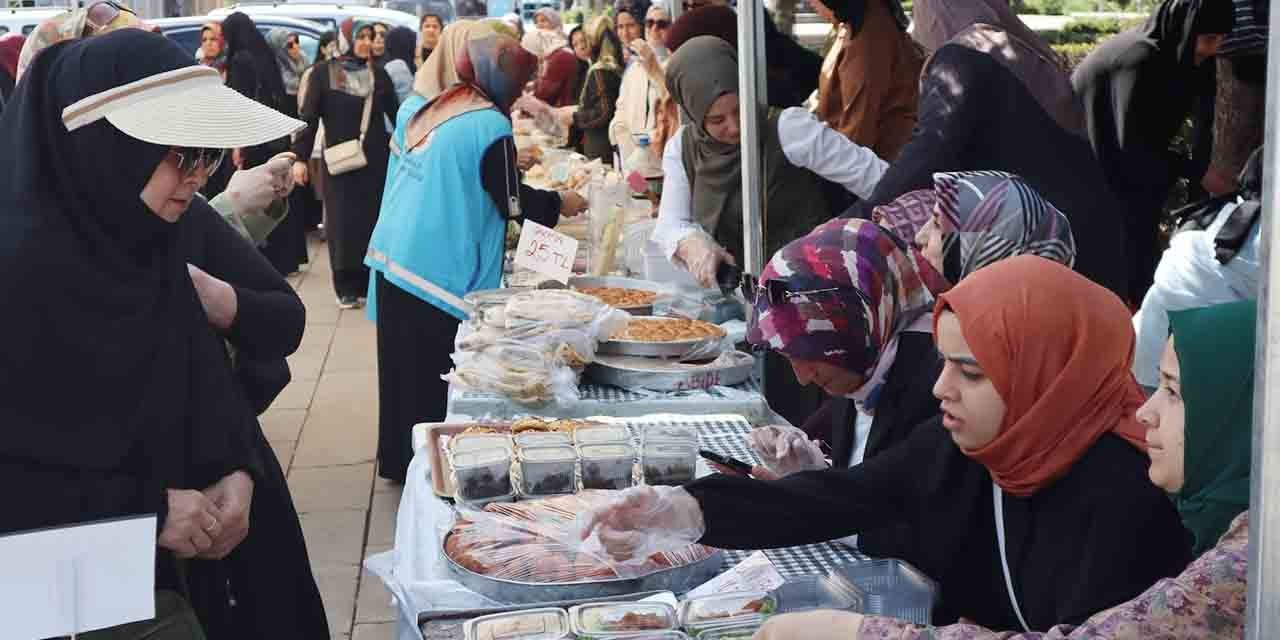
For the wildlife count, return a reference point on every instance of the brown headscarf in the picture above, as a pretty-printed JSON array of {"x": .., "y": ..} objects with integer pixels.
[
  {"x": 991, "y": 27},
  {"x": 1059, "y": 350}
]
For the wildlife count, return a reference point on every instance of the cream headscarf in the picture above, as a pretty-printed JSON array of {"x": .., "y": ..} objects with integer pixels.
[{"x": 438, "y": 71}]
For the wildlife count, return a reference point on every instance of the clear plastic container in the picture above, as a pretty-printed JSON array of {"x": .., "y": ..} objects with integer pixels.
[
  {"x": 608, "y": 620},
  {"x": 669, "y": 463},
  {"x": 745, "y": 630},
  {"x": 699, "y": 614},
  {"x": 603, "y": 434},
  {"x": 818, "y": 592},
  {"x": 467, "y": 442},
  {"x": 891, "y": 587},
  {"x": 682, "y": 433},
  {"x": 608, "y": 466},
  {"x": 548, "y": 471},
  {"x": 482, "y": 476},
  {"x": 532, "y": 439},
  {"x": 533, "y": 624}
]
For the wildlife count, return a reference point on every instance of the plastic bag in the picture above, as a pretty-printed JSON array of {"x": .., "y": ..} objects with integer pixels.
[
  {"x": 635, "y": 525},
  {"x": 540, "y": 542},
  {"x": 524, "y": 373},
  {"x": 544, "y": 115}
]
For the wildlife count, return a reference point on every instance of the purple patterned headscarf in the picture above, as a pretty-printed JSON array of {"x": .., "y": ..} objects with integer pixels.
[
  {"x": 988, "y": 216},
  {"x": 840, "y": 295}
]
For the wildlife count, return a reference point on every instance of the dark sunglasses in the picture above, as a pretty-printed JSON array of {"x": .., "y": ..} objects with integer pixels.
[
  {"x": 191, "y": 159},
  {"x": 776, "y": 292},
  {"x": 659, "y": 24},
  {"x": 102, "y": 14}
]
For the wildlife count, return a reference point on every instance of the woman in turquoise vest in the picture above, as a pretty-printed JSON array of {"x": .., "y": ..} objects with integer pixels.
[{"x": 452, "y": 185}]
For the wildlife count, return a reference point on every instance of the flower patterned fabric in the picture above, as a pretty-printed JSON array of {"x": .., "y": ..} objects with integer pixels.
[{"x": 1204, "y": 602}]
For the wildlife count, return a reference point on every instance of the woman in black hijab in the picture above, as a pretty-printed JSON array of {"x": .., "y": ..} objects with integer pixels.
[
  {"x": 88, "y": 242},
  {"x": 1138, "y": 89},
  {"x": 252, "y": 70}
]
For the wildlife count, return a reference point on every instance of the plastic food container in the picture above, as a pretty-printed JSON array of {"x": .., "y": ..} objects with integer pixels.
[
  {"x": 534, "y": 624},
  {"x": 892, "y": 588},
  {"x": 669, "y": 463},
  {"x": 734, "y": 631},
  {"x": 607, "y": 620},
  {"x": 482, "y": 476},
  {"x": 548, "y": 471},
  {"x": 738, "y": 607},
  {"x": 818, "y": 592},
  {"x": 543, "y": 439},
  {"x": 468, "y": 442},
  {"x": 686, "y": 434},
  {"x": 603, "y": 434},
  {"x": 608, "y": 466}
]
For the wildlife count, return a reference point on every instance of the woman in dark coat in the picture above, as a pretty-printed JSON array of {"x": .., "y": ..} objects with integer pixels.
[
  {"x": 599, "y": 98},
  {"x": 337, "y": 92},
  {"x": 1037, "y": 466},
  {"x": 159, "y": 424},
  {"x": 286, "y": 247},
  {"x": 1138, "y": 89},
  {"x": 561, "y": 81},
  {"x": 994, "y": 97},
  {"x": 252, "y": 70}
]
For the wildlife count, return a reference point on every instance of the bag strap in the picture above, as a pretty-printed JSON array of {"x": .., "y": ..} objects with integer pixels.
[
  {"x": 364, "y": 120},
  {"x": 997, "y": 497}
]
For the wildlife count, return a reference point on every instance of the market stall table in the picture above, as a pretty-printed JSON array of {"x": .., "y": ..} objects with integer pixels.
[
  {"x": 410, "y": 570},
  {"x": 745, "y": 400}
]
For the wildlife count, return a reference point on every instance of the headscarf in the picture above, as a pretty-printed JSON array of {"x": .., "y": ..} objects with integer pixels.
[
  {"x": 877, "y": 293},
  {"x": 542, "y": 43},
  {"x": 219, "y": 61},
  {"x": 712, "y": 20},
  {"x": 400, "y": 44},
  {"x": 1175, "y": 24},
  {"x": 10, "y": 49},
  {"x": 439, "y": 71},
  {"x": 552, "y": 16},
  {"x": 290, "y": 69},
  {"x": 326, "y": 39},
  {"x": 606, "y": 50},
  {"x": 347, "y": 33},
  {"x": 991, "y": 27},
  {"x": 852, "y": 12},
  {"x": 105, "y": 287},
  {"x": 1215, "y": 349},
  {"x": 905, "y": 216},
  {"x": 1059, "y": 350},
  {"x": 249, "y": 53},
  {"x": 988, "y": 216},
  {"x": 352, "y": 74},
  {"x": 69, "y": 26}
]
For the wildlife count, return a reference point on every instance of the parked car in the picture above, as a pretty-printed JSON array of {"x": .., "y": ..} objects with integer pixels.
[
  {"x": 25, "y": 20},
  {"x": 419, "y": 8},
  {"x": 186, "y": 31},
  {"x": 329, "y": 16}
]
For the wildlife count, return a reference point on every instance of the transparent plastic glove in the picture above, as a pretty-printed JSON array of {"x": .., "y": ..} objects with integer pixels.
[
  {"x": 640, "y": 522},
  {"x": 702, "y": 256},
  {"x": 251, "y": 191},
  {"x": 784, "y": 450}
]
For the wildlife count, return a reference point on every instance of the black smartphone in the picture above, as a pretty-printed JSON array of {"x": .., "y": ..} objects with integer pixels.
[{"x": 728, "y": 461}]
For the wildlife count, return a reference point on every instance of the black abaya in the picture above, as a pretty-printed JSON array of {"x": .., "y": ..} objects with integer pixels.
[
  {"x": 286, "y": 245},
  {"x": 352, "y": 199}
]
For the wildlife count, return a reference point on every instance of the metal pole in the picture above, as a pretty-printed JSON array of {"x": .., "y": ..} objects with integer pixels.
[
  {"x": 1264, "y": 494},
  {"x": 752, "y": 94}
]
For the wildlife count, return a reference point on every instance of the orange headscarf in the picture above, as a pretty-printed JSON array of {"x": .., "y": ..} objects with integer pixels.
[{"x": 1059, "y": 350}]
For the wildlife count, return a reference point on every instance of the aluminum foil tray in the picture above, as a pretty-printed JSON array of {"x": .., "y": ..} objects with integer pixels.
[
  {"x": 676, "y": 579},
  {"x": 709, "y": 347},
  {"x": 637, "y": 372},
  {"x": 622, "y": 283}
]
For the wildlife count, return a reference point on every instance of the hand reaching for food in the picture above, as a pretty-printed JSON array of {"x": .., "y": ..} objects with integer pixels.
[
  {"x": 784, "y": 450},
  {"x": 702, "y": 257},
  {"x": 640, "y": 522}
]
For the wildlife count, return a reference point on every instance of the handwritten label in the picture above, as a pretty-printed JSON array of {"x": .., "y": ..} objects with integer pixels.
[
  {"x": 546, "y": 251},
  {"x": 756, "y": 573}
]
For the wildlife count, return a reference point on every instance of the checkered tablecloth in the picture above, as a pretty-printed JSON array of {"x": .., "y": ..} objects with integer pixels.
[{"x": 744, "y": 399}]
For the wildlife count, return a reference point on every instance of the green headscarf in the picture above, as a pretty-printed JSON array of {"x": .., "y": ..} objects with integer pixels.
[{"x": 1215, "y": 349}]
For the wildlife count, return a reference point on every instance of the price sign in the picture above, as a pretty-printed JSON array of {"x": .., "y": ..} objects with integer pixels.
[{"x": 546, "y": 251}]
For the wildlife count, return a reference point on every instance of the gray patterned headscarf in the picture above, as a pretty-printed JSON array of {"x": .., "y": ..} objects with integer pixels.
[
  {"x": 988, "y": 216},
  {"x": 290, "y": 69}
]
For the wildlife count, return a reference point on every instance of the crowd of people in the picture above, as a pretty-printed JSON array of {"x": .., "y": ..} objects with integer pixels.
[{"x": 997, "y": 375}]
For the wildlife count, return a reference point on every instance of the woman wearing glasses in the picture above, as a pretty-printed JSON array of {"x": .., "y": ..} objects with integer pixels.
[
  {"x": 95, "y": 248},
  {"x": 351, "y": 96},
  {"x": 286, "y": 247},
  {"x": 1028, "y": 502},
  {"x": 643, "y": 84}
]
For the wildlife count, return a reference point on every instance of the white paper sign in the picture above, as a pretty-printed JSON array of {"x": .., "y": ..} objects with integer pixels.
[
  {"x": 546, "y": 251},
  {"x": 756, "y": 573},
  {"x": 80, "y": 578}
]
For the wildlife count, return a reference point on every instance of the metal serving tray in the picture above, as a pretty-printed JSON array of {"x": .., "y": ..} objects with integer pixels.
[
  {"x": 622, "y": 283},
  {"x": 674, "y": 349},
  {"x": 636, "y": 372},
  {"x": 676, "y": 580}
]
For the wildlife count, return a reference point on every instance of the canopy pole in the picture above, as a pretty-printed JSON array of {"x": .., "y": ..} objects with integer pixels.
[
  {"x": 1264, "y": 494},
  {"x": 752, "y": 93}
]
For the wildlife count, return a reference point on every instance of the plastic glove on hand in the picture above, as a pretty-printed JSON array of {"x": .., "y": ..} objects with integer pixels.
[
  {"x": 784, "y": 450},
  {"x": 253, "y": 190},
  {"x": 640, "y": 522},
  {"x": 811, "y": 625},
  {"x": 702, "y": 256}
]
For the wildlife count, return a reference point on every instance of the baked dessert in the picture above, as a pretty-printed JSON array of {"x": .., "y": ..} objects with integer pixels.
[
  {"x": 668, "y": 330},
  {"x": 523, "y": 542},
  {"x": 620, "y": 298}
]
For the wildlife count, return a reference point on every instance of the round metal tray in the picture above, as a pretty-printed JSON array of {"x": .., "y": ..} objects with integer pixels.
[
  {"x": 675, "y": 349},
  {"x": 676, "y": 579},
  {"x": 630, "y": 372},
  {"x": 622, "y": 283}
]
